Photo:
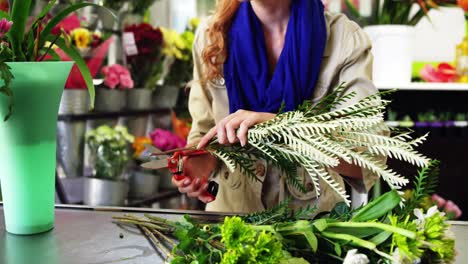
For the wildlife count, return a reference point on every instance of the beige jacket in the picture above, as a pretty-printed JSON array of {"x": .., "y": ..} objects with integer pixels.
[{"x": 347, "y": 58}]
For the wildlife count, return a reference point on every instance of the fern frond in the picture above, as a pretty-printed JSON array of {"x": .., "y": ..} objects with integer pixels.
[{"x": 226, "y": 159}]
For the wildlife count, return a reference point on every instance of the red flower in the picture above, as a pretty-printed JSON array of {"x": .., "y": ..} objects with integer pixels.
[
  {"x": 148, "y": 39},
  {"x": 444, "y": 73}
]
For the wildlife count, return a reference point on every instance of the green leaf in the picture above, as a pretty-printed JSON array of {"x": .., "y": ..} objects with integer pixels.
[
  {"x": 294, "y": 261},
  {"x": 82, "y": 66},
  {"x": 338, "y": 249},
  {"x": 19, "y": 14},
  {"x": 378, "y": 207},
  {"x": 62, "y": 15},
  {"x": 45, "y": 11},
  {"x": 320, "y": 224},
  {"x": 352, "y": 9},
  {"x": 4, "y": 15},
  {"x": 7, "y": 76},
  {"x": 357, "y": 232},
  {"x": 380, "y": 237}
]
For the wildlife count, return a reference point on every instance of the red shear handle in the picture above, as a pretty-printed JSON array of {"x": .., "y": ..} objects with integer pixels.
[{"x": 176, "y": 166}]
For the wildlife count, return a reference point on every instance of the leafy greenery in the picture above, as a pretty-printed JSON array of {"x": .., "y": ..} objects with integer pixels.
[
  {"x": 320, "y": 136},
  {"x": 396, "y": 12},
  {"x": 280, "y": 235},
  {"x": 425, "y": 185},
  {"x": 28, "y": 43}
]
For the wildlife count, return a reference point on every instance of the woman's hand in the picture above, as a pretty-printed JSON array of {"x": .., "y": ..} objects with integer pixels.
[
  {"x": 195, "y": 169},
  {"x": 241, "y": 121}
]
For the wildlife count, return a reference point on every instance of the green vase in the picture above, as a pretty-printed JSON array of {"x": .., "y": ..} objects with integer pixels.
[{"x": 28, "y": 145}]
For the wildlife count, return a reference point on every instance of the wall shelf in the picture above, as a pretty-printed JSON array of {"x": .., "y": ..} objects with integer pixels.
[{"x": 420, "y": 86}]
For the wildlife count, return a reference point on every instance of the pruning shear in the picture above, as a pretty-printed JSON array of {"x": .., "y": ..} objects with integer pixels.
[{"x": 175, "y": 164}]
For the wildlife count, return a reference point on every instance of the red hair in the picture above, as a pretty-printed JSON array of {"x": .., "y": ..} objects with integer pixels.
[{"x": 215, "y": 53}]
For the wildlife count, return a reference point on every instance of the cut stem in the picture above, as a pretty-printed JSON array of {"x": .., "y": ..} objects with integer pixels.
[{"x": 385, "y": 227}]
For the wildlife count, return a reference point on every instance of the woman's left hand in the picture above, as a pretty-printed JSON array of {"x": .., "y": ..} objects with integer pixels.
[{"x": 240, "y": 121}]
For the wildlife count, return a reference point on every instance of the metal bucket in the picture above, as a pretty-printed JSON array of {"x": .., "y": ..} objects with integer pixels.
[
  {"x": 165, "y": 96},
  {"x": 70, "y": 135},
  {"x": 143, "y": 184},
  {"x": 165, "y": 182},
  {"x": 138, "y": 99},
  {"x": 99, "y": 192},
  {"x": 109, "y": 100}
]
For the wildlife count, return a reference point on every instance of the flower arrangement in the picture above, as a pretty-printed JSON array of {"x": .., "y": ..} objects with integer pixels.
[
  {"x": 146, "y": 60},
  {"x": 396, "y": 12},
  {"x": 178, "y": 50},
  {"x": 22, "y": 42},
  {"x": 117, "y": 76},
  {"x": 91, "y": 45},
  {"x": 379, "y": 232},
  {"x": 443, "y": 73},
  {"x": 165, "y": 140},
  {"x": 109, "y": 150}
]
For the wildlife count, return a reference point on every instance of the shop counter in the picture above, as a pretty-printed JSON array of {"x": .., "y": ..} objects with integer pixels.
[{"x": 87, "y": 235}]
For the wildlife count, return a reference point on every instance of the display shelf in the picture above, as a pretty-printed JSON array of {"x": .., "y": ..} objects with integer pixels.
[
  {"x": 420, "y": 86},
  {"x": 109, "y": 115}
]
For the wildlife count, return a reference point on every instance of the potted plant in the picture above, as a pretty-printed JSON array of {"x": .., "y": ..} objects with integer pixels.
[
  {"x": 179, "y": 62},
  {"x": 111, "y": 95},
  {"x": 143, "y": 183},
  {"x": 391, "y": 29},
  {"x": 109, "y": 151},
  {"x": 165, "y": 140},
  {"x": 143, "y": 46},
  {"x": 461, "y": 124},
  {"x": 392, "y": 118},
  {"x": 29, "y": 101}
]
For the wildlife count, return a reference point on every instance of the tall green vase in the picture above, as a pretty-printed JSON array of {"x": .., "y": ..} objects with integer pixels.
[{"x": 28, "y": 145}]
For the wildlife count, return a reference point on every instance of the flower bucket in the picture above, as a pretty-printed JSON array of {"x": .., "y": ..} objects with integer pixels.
[
  {"x": 108, "y": 100},
  {"x": 28, "y": 145},
  {"x": 392, "y": 47},
  {"x": 70, "y": 134},
  {"x": 103, "y": 192},
  {"x": 143, "y": 184},
  {"x": 138, "y": 99},
  {"x": 165, "y": 97}
]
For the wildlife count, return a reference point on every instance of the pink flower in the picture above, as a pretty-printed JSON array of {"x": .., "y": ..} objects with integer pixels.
[
  {"x": 166, "y": 140},
  {"x": 112, "y": 80},
  {"x": 452, "y": 210},
  {"x": 5, "y": 26},
  {"x": 444, "y": 73},
  {"x": 439, "y": 201},
  {"x": 126, "y": 81},
  {"x": 117, "y": 76}
]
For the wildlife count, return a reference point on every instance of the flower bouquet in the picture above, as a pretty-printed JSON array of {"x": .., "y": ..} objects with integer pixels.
[
  {"x": 110, "y": 158},
  {"x": 92, "y": 46},
  {"x": 111, "y": 96},
  {"x": 143, "y": 45},
  {"x": 108, "y": 147},
  {"x": 178, "y": 52},
  {"x": 379, "y": 232}
]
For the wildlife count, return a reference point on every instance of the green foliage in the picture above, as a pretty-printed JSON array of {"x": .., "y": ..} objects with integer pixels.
[
  {"x": 425, "y": 185},
  {"x": 397, "y": 12},
  {"x": 280, "y": 213},
  {"x": 28, "y": 42},
  {"x": 280, "y": 236},
  {"x": 319, "y": 136},
  {"x": 378, "y": 207}
]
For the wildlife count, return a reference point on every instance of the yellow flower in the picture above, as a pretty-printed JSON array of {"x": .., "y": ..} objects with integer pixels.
[
  {"x": 173, "y": 43},
  {"x": 194, "y": 22},
  {"x": 81, "y": 37}
]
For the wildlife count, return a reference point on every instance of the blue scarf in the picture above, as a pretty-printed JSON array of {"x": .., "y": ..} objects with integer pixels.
[{"x": 249, "y": 83}]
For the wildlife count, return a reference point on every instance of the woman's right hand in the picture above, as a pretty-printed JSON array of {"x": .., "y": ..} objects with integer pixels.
[{"x": 195, "y": 169}]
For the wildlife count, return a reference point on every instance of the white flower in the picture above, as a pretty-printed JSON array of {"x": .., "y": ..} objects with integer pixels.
[
  {"x": 352, "y": 257},
  {"x": 398, "y": 259},
  {"x": 421, "y": 217}
]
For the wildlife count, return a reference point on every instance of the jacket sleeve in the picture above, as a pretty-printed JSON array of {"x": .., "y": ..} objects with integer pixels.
[
  {"x": 200, "y": 100},
  {"x": 356, "y": 73}
]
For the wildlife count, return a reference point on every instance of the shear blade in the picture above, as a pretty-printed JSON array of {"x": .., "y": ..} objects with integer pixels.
[{"x": 155, "y": 164}]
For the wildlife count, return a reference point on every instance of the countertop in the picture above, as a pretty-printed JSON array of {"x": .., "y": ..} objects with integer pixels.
[{"x": 87, "y": 235}]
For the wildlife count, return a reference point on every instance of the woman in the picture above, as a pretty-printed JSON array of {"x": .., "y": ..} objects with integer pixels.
[{"x": 250, "y": 58}]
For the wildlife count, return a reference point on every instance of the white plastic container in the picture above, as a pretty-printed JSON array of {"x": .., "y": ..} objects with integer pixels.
[{"x": 392, "y": 47}]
